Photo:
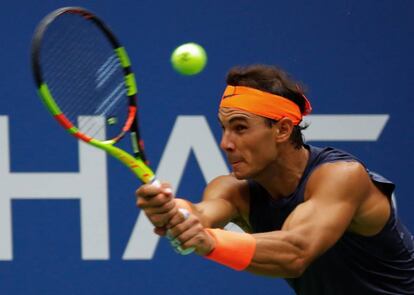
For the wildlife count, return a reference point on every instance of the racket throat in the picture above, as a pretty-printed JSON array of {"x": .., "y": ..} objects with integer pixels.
[{"x": 136, "y": 148}]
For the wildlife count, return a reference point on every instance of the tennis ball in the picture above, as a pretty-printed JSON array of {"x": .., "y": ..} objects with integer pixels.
[{"x": 189, "y": 59}]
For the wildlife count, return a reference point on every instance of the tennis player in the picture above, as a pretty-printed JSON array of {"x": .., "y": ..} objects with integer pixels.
[{"x": 314, "y": 216}]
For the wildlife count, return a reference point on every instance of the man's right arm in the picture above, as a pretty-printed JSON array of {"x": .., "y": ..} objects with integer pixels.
[{"x": 225, "y": 198}]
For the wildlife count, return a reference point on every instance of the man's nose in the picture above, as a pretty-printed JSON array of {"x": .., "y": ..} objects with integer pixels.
[{"x": 226, "y": 143}]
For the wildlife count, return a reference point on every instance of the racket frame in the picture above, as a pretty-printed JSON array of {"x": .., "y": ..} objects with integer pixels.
[{"x": 137, "y": 163}]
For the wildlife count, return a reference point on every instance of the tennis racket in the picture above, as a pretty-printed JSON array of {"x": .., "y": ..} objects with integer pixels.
[{"x": 85, "y": 79}]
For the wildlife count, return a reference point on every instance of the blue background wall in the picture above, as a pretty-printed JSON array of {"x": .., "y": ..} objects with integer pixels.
[{"x": 355, "y": 57}]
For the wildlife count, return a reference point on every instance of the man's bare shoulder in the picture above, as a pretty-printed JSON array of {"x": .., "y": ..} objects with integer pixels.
[
  {"x": 340, "y": 176},
  {"x": 350, "y": 182}
]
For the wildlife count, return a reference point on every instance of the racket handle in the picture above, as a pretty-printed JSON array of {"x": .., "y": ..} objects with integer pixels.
[
  {"x": 178, "y": 248},
  {"x": 186, "y": 214},
  {"x": 155, "y": 182},
  {"x": 184, "y": 252}
]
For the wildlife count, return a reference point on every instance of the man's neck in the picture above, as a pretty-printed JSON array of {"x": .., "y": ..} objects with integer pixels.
[{"x": 282, "y": 178}]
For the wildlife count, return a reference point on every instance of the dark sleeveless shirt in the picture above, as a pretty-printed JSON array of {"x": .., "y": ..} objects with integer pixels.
[{"x": 380, "y": 264}]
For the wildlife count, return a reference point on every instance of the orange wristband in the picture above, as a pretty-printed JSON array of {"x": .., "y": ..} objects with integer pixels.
[{"x": 233, "y": 249}]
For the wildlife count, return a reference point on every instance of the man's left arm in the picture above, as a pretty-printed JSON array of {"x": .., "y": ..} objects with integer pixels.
[{"x": 333, "y": 195}]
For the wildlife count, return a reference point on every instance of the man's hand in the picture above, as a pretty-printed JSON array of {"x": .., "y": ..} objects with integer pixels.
[
  {"x": 185, "y": 231},
  {"x": 158, "y": 204}
]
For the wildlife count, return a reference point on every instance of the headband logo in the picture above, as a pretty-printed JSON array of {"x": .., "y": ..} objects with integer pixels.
[{"x": 229, "y": 95}]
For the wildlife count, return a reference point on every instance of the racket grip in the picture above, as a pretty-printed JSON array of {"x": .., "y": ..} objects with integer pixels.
[
  {"x": 184, "y": 212},
  {"x": 184, "y": 252},
  {"x": 155, "y": 182},
  {"x": 178, "y": 248}
]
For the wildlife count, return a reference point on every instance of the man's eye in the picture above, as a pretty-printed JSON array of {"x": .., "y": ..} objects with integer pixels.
[{"x": 240, "y": 127}]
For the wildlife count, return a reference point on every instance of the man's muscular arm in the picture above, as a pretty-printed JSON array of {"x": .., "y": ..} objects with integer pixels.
[
  {"x": 222, "y": 202},
  {"x": 334, "y": 193}
]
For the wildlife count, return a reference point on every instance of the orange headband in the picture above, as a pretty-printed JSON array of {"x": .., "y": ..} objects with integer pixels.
[{"x": 263, "y": 103}]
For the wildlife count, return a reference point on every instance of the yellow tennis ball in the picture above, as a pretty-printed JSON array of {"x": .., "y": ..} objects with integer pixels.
[{"x": 189, "y": 59}]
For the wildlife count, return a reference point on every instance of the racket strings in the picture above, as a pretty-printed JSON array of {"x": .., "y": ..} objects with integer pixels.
[{"x": 84, "y": 75}]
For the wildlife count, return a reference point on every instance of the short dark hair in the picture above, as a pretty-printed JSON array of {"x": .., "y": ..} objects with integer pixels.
[{"x": 273, "y": 80}]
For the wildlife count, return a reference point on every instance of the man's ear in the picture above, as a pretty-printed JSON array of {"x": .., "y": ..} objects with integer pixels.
[{"x": 283, "y": 129}]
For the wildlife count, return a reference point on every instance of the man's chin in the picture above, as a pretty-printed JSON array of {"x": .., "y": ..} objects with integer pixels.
[{"x": 239, "y": 175}]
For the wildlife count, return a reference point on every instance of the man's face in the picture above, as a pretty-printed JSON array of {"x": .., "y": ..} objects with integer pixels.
[{"x": 248, "y": 142}]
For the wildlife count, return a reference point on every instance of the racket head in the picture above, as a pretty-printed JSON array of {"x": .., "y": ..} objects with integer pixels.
[{"x": 82, "y": 71}]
